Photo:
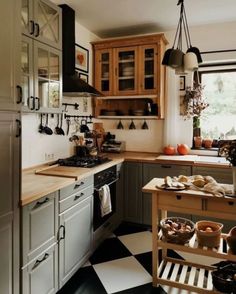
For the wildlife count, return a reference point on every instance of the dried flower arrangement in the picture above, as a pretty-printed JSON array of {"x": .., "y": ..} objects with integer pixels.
[
  {"x": 229, "y": 151},
  {"x": 194, "y": 102}
]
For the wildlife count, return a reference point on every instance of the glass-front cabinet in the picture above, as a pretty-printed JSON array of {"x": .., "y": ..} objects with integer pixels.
[
  {"x": 126, "y": 70},
  {"x": 41, "y": 20},
  {"x": 148, "y": 69},
  {"x": 104, "y": 81},
  {"x": 40, "y": 76}
]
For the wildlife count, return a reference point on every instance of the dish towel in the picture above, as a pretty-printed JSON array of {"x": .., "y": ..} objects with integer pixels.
[{"x": 105, "y": 200}]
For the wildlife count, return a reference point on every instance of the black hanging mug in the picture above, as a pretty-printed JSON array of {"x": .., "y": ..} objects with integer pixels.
[{"x": 83, "y": 126}]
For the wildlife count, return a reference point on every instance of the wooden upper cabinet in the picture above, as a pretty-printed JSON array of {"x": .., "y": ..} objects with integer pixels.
[
  {"x": 130, "y": 66},
  {"x": 103, "y": 72}
]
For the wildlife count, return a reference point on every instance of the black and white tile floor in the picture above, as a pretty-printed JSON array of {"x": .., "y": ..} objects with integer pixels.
[{"x": 122, "y": 264}]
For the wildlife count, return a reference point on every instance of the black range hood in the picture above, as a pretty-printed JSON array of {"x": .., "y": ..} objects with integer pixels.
[{"x": 73, "y": 86}]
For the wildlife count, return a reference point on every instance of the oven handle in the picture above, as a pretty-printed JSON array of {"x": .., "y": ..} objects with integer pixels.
[{"x": 112, "y": 182}]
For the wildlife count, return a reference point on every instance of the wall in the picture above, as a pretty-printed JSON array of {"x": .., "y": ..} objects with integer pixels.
[{"x": 173, "y": 130}]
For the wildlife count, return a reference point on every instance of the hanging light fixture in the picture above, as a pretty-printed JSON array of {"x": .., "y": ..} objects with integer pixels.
[{"x": 175, "y": 57}]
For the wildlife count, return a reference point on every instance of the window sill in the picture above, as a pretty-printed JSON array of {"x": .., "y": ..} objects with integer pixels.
[{"x": 204, "y": 151}]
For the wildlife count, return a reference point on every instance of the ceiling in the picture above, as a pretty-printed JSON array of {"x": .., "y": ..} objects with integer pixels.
[{"x": 113, "y": 18}]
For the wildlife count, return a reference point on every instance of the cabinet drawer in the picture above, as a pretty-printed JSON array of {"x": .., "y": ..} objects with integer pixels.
[
  {"x": 39, "y": 226},
  {"x": 222, "y": 206},
  {"x": 75, "y": 187},
  {"x": 41, "y": 274},
  {"x": 75, "y": 198},
  {"x": 180, "y": 201}
]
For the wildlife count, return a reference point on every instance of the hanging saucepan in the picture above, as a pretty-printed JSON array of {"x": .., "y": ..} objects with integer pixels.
[
  {"x": 47, "y": 130},
  {"x": 83, "y": 126}
]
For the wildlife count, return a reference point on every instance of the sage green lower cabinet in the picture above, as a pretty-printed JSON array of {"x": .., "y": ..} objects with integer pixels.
[
  {"x": 40, "y": 276},
  {"x": 39, "y": 226},
  {"x": 151, "y": 171},
  {"x": 75, "y": 238},
  {"x": 133, "y": 192},
  {"x": 221, "y": 175},
  {"x": 39, "y": 246}
]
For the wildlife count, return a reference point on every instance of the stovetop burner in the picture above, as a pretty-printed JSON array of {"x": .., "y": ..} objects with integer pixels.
[{"x": 88, "y": 161}]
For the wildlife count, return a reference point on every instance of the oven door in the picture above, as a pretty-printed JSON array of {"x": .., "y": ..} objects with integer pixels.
[{"x": 98, "y": 220}]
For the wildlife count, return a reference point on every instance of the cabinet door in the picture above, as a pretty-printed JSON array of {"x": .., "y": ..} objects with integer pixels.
[
  {"x": 6, "y": 254},
  {"x": 103, "y": 73},
  {"x": 126, "y": 71},
  {"x": 148, "y": 69},
  {"x": 47, "y": 77},
  {"x": 10, "y": 54},
  {"x": 151, "y": 171},
  {"x": 41, "y": 275},
  {"x": 221, "y": 175},
  {"x": 41, "y": 20},
  {"x": 27, "y": 73},
  {"x": 39, "y": 226},
  {"x": 76, "y": 241},
  {"x": 133, "y": 192},
  {"x": 9, "y": 201}
]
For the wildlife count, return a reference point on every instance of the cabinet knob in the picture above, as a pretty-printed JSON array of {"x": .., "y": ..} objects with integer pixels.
[
  {"x": 178, "y": 197},
  {"x": 19, "y": 94},
  {"x": 37, "y": 29}
]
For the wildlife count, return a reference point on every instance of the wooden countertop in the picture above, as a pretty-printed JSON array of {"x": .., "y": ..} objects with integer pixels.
[{"x": 40, "y": 181}]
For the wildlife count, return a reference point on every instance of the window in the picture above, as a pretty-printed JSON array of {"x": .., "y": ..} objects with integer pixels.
[{"x": 218, "y": 120}]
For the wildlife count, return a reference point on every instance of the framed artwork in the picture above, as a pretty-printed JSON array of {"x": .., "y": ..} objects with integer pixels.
[
  {"x": 81, "y": 58},
  {"x": 83, "y": 77},
  {"x": 182, "y": 83}
]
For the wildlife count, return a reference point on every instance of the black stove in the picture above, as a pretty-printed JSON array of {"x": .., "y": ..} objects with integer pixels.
[{"x": 88, "y": 161}]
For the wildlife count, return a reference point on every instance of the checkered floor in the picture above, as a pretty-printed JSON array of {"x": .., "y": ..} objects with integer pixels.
[{"x": 121, "y": 264}]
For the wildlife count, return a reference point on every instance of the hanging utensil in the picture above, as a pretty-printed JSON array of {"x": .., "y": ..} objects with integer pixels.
[
  {"x": 83, "y": 126},
  {"x": 41, "y": 127},
  {"x": 61, "y": 129},
  {"x": 68, "y": 126},
  {"x": 57, "y": 128},
  {"x": 47, "y": 130}
]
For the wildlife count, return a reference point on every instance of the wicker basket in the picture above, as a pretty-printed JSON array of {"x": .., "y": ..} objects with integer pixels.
[
  {"x": 209, "y": 239},
  {"x": 231, "y": 240},
  {"x": 223, "y": 279},
  {"x": 178, "y": 237}
]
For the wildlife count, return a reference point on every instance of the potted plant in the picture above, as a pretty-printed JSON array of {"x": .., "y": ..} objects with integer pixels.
[
  {"x": 194, "y": 104},
  {"x": 229, "y": 151}
]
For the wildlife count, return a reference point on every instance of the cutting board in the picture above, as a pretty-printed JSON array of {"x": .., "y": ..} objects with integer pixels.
[
  {"x": 64, "y": 171},
  {"x": 191, "y": 158}
]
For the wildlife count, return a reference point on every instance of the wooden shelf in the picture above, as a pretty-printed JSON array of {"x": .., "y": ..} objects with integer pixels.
[
  {"x": 134, "y": 117},
  {"x": 186, "y": 275},
  {"x": 222, "y": 252}
]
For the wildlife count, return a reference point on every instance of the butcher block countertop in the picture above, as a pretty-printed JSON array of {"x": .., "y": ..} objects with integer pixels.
[{"x": 42, "y": 180}]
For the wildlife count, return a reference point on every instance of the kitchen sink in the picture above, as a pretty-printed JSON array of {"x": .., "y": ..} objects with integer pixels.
[{"x": 211, "y": 159}]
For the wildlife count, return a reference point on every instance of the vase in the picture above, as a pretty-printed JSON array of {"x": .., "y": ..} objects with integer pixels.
[{"x": 234, "y": 179}]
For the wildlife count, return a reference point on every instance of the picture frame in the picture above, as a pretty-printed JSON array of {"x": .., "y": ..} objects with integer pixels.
[
  {"x": 83, "y": 77},
  {"x": 182, "y": 83},
  {"x": 81, "y": 58}
]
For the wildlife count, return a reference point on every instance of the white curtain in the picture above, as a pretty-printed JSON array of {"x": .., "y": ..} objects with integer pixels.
[{"x": 176, "y": 130}]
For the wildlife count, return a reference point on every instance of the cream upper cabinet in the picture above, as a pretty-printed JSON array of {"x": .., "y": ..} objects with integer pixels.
[
  {"x": 41, "y": 20},
  {"x": 10, "y": 90}
]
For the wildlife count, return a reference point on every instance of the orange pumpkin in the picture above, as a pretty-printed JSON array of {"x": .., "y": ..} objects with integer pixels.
[
  {"x": 169, "y": 150},
  {"x": 182, "y": 149}
]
